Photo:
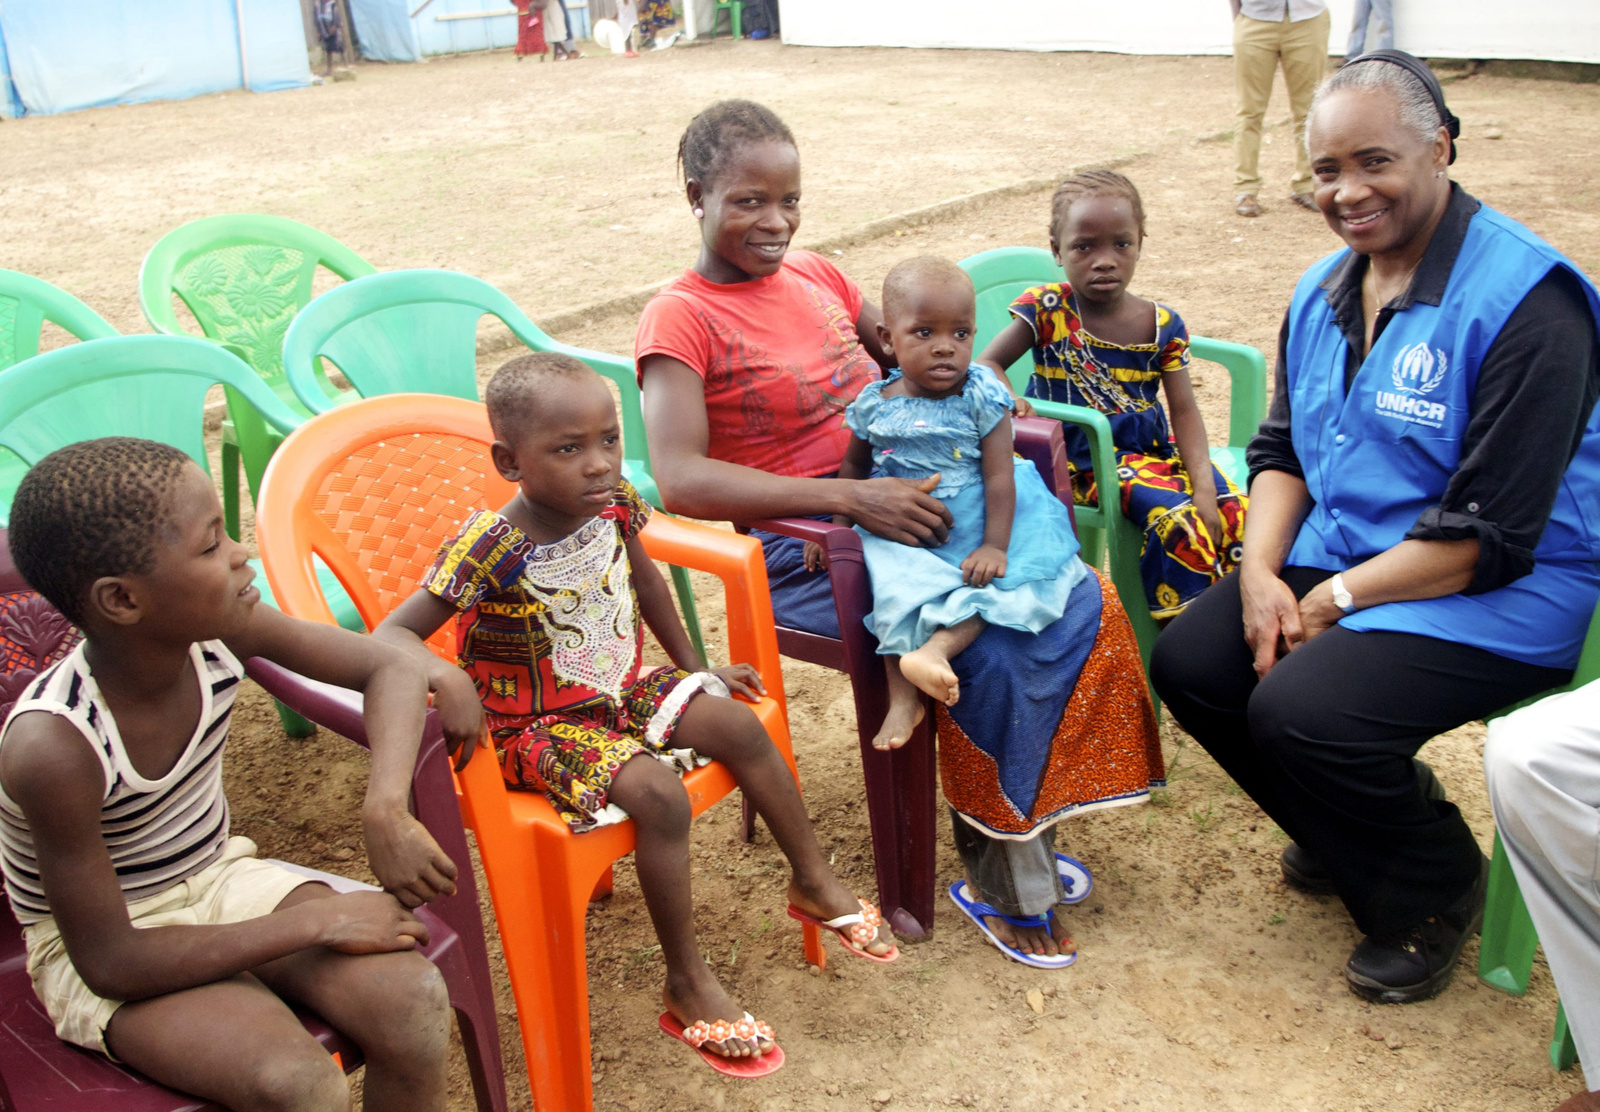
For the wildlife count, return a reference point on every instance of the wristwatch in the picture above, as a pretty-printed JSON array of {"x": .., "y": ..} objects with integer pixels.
[{"x": 1342, "y": 598}]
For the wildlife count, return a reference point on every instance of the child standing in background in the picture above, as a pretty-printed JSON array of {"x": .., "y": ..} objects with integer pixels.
[{"x": 1096, "y": 345}]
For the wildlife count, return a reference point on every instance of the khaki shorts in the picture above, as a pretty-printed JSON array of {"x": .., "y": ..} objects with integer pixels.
[{"x": 231, "y": 889}]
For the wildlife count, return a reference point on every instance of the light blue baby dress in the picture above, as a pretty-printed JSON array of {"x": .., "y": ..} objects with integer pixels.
[{"x": 916, "y": 591}]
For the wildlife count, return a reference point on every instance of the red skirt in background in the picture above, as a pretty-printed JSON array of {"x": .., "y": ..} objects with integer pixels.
[{"x": 530, "y": 30}]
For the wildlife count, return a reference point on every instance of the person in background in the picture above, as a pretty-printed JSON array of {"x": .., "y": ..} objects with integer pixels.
[
  {"x": 1265, "y": 34},
  {"x": 1366, "y": 11},
  {"x": 530, "y": 29},
  {"x": 329, "y": 30},
  {"x": 1543, "y": 767}
]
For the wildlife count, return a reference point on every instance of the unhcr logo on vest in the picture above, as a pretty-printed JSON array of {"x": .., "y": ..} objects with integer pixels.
[{"x": 1418, "y": 371}]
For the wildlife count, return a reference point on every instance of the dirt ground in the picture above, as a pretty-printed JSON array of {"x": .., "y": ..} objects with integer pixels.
[{"x": 1203, "y": 982}]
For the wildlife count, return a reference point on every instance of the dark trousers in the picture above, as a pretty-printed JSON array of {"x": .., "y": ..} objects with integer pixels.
[{"x": 1324, "y": 743}]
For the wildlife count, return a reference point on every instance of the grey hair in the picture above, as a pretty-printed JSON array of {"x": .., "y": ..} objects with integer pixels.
[{"x": 1418, "y": 113}]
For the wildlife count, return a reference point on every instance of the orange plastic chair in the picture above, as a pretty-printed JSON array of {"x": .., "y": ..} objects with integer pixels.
[{"x": 373, "y": 489}]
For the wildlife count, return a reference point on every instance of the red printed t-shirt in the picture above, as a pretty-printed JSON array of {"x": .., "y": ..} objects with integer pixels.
[{"x": 779, "y": 356}]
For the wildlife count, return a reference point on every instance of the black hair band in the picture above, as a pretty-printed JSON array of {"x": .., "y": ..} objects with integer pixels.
[{"x": 1419, "y": 69}]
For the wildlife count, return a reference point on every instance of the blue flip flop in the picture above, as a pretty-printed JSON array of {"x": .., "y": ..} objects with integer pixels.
[
  {"x": 975, "y": 910},
  {"x": 1075, "y": 878}
]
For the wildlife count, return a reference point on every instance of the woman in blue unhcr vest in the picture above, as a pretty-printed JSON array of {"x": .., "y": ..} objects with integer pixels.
[{"x": 1423, "y": 546}]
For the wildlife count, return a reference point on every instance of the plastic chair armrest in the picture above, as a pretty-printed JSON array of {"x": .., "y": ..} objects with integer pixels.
[
  {"x": 1102, "y": 450},
  {"x": 337, "y": 708},
  {"x": 736, "y": 560},
  {"x": 1247, "y": 375}
]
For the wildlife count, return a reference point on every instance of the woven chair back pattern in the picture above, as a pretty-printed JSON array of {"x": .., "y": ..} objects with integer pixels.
[{"x": 396, "y": 500}]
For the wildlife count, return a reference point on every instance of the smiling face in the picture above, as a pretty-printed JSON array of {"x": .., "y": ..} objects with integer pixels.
[
  {"x": 199, "y": 587},
  {"x": 1097, "y": 244},
  {"x": 1378, "y": 184},
  {"x": 748, "y": 212},
  {"x": 568, "y": 463},
  {"x": 930, "y": 330}
]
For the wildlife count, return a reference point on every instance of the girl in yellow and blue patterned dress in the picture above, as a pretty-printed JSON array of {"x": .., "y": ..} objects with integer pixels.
[{"x": 1095, "y": 344}]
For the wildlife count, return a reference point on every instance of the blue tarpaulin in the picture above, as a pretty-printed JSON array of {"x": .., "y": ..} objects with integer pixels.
[
  {"x": 70, "y": 54},
  {"x": 405, "y": 30},
  {"x": 385, "y": 31}
]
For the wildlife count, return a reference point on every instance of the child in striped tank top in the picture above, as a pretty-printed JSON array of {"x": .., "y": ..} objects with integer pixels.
[{"x": 153, "y": 936}]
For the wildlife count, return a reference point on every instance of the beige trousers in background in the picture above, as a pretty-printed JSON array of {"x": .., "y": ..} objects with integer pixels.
[{"x": 1257, "y": 48}]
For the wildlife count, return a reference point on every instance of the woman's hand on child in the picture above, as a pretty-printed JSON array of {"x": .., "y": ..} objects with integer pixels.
[
  {"x": 405, "y": 858},
  {"x": 901, "y": 510},
  {"x": 986, "y": 564},
  {"x": 366, "y": 923},
  {"x": 816, "y": 559},
  {"x": 742, "y": 680}
]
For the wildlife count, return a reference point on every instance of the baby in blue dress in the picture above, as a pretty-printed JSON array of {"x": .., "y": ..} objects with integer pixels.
[{"x": 1011, "y": 558}]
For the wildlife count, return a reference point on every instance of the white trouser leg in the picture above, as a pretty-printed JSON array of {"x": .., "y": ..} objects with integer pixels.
[{"x": 1543, "y": 768}]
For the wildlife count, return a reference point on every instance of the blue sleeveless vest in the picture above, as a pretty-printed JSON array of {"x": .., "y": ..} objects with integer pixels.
[{"x": 1376, "y": 458}]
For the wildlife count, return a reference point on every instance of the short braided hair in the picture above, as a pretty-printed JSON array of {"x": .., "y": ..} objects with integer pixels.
[
  {"x": 514, "y": 393},
  {"x": 90, "y": 510},
  {"x": 716, "y": 132},
  {"x": 1092, "y": 183}
]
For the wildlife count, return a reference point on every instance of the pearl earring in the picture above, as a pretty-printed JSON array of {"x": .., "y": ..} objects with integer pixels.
[
  {"x": 699, "y": 212},
  {"x": 1438, "y": 173}
]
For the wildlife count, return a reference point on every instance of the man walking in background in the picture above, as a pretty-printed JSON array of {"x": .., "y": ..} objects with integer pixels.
[{"x": 1266, "y": 32}]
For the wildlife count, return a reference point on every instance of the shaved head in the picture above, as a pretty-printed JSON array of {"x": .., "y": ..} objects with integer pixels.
[
  {"x": 909, "y": 277},
  {"x": 517, "y": 392}
]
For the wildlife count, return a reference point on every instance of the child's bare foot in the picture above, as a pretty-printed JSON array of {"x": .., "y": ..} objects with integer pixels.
[
  {"x": 705, "y": 999},
  {"x": 898, "y": 725},
  {"x": 930, "y": 671},
  {"x": 829, "y": 899},
  {"x": 1043, "y": 941}
]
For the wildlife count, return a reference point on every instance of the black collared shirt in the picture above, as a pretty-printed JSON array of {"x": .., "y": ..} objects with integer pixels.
[{"x": 1536, "y": 388}]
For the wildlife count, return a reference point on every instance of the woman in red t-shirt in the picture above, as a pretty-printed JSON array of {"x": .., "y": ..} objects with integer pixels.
[
  {"x": 748, "y": 360},
  {"x": 747, "y": 363}
]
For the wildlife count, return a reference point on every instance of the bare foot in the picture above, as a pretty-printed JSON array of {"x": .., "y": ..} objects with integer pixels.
[
  {"x": 829, "y": 900},
  {"x": 705, "y": 999},
  {"x": 1040, "y": 941},
  {"x": 898, "y": 724},
  {"x": 930, "y": 671}
]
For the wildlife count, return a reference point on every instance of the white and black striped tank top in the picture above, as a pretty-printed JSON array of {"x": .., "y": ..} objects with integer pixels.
[{"x": 158, "y": 832}]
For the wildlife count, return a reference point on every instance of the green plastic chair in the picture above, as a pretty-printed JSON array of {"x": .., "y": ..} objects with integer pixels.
[
  {"x": 416, "y": 330},
  {"x": 1505, "y": 953},
  {"x": 26, "y": 303},
  {"x": 147, "y": 386},
  {"x": 735, "y": 10},
  {"x": 999, "y": 276},
  {"x": 244, "y": 277}
]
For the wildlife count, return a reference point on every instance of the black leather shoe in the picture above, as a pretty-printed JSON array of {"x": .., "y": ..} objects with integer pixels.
[
  {"x": 1418, "y": 962},
  {"x": 1301, "y": 871}
]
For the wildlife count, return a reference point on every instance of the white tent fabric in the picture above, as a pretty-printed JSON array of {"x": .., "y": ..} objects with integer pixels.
[
  {"x": 1553, "y": 30},
  {"x": 65, "y": 56}
]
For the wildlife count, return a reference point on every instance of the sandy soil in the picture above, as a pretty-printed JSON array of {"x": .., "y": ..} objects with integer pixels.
[{"x": 1203, "y": 982}]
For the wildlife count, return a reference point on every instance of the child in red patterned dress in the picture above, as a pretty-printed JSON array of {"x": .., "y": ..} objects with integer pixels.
[{"x": 549, "y": 593}]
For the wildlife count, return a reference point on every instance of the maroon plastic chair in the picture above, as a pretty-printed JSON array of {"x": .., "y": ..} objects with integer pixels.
[
  {"x": 38, "y": 1071},
  {"x": 901, "y": 800}
]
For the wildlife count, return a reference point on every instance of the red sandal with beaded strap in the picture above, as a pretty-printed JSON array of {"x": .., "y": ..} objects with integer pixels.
[
  {"x": 700, "y": 1032},
  {"x": 856, "y": 930}
]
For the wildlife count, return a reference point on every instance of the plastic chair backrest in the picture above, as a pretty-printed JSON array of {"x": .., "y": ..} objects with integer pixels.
[
  {"x": 999, "y": 276},
  {"x": 147, "y": 386},
  {"x": 26, "y": 303},
  {"x": 243, "y": 276},
  {"x": 416, "y": 330},
  {"x": 416, "y": 462}
]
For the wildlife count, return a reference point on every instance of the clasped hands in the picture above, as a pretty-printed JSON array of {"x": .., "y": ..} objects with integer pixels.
[{"x": 1275, "y": 622}]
